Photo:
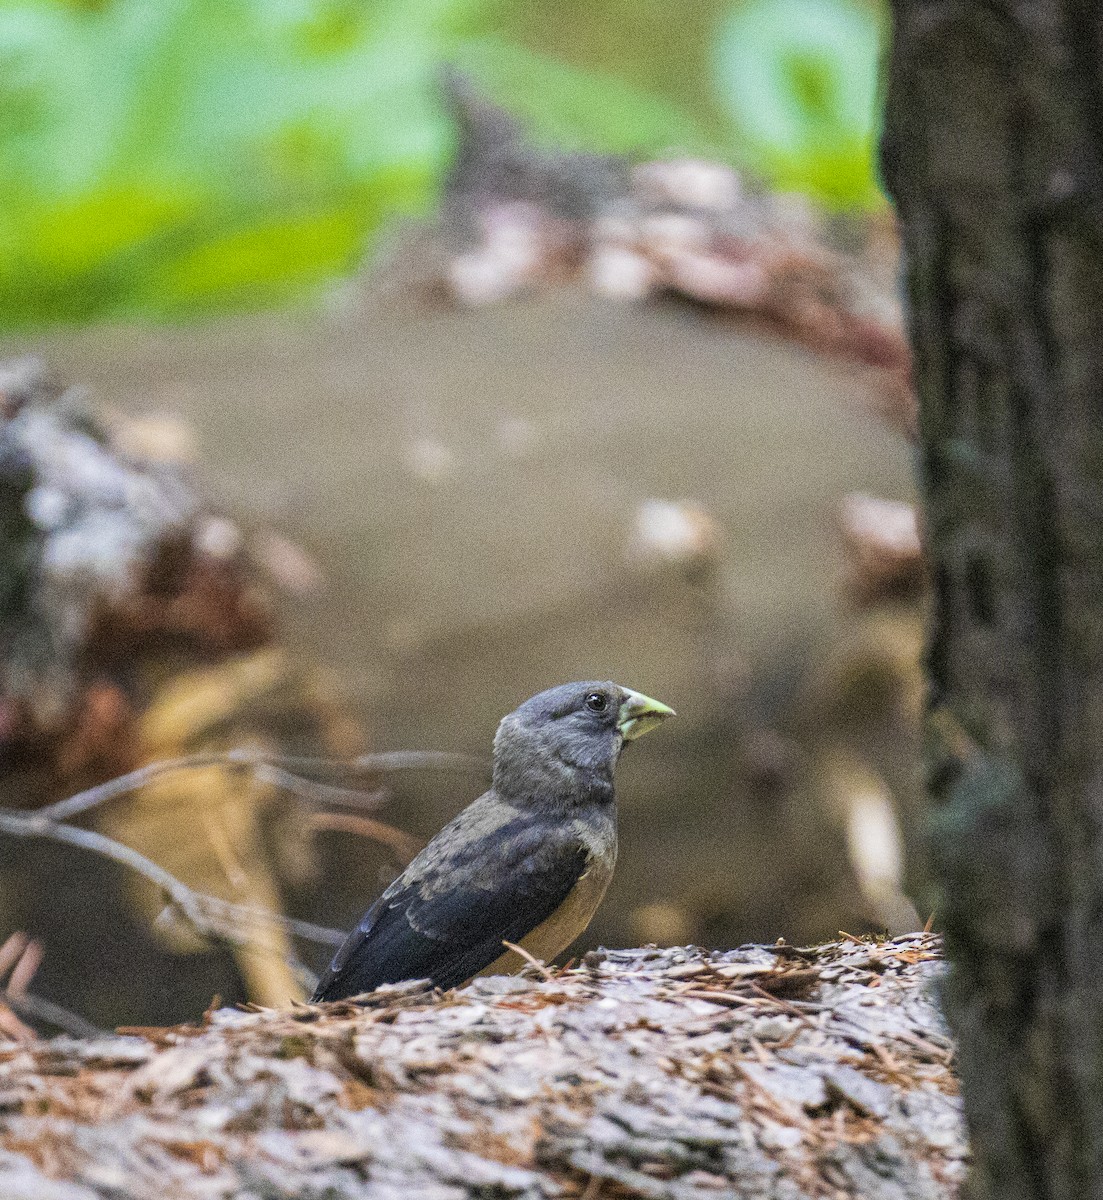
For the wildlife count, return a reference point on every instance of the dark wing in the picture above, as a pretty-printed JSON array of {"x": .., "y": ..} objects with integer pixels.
[{"x": 448, "y": 922}]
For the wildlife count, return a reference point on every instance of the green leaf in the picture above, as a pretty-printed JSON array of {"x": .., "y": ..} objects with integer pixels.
[
  {"x": 567, "y": 106},
  {"x": 799, "y": 78},
  {"x": 79, "y": 235},
  {"x": 253, "y": 263}
]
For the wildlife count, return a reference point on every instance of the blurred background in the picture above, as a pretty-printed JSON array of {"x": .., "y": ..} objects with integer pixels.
[{"x": 371, "y": 366}]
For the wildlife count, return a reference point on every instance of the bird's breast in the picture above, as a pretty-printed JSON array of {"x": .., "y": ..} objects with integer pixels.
[{"x": 570, "y": 919}]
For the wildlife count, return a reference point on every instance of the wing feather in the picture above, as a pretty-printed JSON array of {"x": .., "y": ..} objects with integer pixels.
[{"x": 446, "y": 917}]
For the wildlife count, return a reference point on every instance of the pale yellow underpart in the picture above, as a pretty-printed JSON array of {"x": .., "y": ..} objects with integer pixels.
[{"x": 554, "y": 935}]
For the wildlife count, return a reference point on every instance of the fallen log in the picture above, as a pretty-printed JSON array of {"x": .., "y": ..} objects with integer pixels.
[{"x": 682, "y": 1074}]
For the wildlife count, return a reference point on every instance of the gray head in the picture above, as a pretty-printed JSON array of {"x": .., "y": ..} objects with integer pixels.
[{"x": 561, "y": 746}]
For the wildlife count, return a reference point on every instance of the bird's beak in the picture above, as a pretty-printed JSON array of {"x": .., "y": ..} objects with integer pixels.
[{"x": 639, "y": 714}]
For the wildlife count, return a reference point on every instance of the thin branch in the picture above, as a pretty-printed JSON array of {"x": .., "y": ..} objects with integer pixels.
[
  {"x": 122, "y": 785},
  {"x": 38, "y": 1008},
  {"x": 210, "y": 915},
  {"x": 530, "y": 958},
  {"x": 403, "y": 846},
  {"x": 313, "y": 792},
  {"x": 417, "y": 760},
  {"x": 255, "y": 761}
]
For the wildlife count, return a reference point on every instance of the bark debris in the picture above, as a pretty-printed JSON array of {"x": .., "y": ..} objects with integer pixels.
[{"x": 675, "y": 1075}]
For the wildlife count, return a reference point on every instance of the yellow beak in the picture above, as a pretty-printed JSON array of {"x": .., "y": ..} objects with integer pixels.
[{"x": 639, "y": 714}]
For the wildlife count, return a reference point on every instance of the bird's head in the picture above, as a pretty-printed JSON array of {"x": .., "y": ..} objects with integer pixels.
[{"x": 565, "y": 742}]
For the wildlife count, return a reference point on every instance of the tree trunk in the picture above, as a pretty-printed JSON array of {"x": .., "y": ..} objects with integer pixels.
[{"x": 993, "y": 151}]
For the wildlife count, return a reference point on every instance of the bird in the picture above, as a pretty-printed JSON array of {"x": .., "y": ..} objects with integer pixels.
[{"x": 527, "y": 863}]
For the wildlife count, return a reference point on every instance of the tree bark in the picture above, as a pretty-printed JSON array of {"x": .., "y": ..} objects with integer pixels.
[{"x": 993, "y": 151}]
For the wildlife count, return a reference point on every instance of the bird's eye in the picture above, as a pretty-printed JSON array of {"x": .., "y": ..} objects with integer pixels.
[{"x": 597, "y": 702}]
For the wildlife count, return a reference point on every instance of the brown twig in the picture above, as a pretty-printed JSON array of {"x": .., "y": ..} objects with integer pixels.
[
  {"x": 17, "y": 948},
  {"x": 403, "y": 845},
  {"x": 531, "y": 959},
  {"x": 25, "y": 966},
  {"x": 759, "y": 990},
  {"x": 20, "y": 958},
  {"x": 38, "y": 1008}
]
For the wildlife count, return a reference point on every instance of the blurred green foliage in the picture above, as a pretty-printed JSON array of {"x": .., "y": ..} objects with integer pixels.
[
  {"x": 561, "y": 104},
  {"x": 800, "y": 80},
  {"x": 166, "y": 157},
  {"x": 157, "y": 157}
]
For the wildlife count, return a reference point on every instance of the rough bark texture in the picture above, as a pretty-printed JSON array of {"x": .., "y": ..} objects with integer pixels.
[
  {"x": 994, "y": 154},
  {"x": 766, "y": 1072}
]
